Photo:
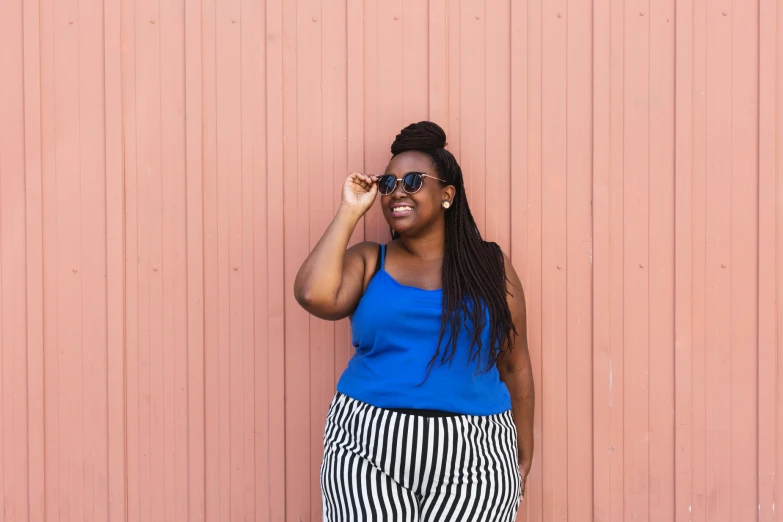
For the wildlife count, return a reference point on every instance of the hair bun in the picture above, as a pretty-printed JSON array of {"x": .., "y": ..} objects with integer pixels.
[{"x": 419, "y": 136}]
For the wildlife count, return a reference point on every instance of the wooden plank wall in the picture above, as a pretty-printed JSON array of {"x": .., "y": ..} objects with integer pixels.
[{"x": 166, "y": 166}]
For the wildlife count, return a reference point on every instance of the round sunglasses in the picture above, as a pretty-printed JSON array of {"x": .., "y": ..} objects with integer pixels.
[{"x": 411, "y": 182}]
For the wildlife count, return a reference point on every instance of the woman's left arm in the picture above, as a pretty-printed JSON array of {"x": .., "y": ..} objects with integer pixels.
[{"x": 517, "y": 373}]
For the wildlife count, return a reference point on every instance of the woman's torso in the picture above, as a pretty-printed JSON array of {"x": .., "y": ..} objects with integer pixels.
[{"x": 395, "y": 330}]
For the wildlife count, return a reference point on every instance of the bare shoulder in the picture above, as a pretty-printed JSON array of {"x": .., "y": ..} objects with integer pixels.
[
  {"x": 366, "y": 251},
  {"x": 360, "y": 260},
  {"x": 515, "y": 293}
]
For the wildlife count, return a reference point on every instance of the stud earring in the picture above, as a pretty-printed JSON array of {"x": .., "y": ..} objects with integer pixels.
[{"x": 446, "y": 204}]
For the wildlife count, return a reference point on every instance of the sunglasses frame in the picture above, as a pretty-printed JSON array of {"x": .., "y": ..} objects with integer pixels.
[{"x": 398, "y": 180}]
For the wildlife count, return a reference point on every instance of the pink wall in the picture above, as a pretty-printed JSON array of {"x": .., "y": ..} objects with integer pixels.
[{"x": 165, "y": 167}]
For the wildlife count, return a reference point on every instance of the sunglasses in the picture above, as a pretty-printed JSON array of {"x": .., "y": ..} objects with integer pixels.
[{"x": 411, "y": 182}]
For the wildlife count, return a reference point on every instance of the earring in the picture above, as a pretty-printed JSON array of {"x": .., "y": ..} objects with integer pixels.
[{"x": 446, "y": 204}]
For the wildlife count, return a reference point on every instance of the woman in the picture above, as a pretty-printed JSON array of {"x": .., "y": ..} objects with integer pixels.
[{"x": 433, "y": 418}]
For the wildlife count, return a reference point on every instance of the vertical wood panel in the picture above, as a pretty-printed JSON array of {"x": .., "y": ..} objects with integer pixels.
[
  {"x": 49, "y": 229},
  {"x": 744, "y": 255},
  {"x": 616, "y": 450},
  {"x": 698, "y": 378},
  {"x": 532, "y": 240},
  {"x": 718, "y": 217},
  {"x": 778, "y": 462},
  {"x": 314, "y": 172},
  {"x": 14, "y": 442},
  {"x": 352, "y": 44},
  {"x": 473, "y": 104},
  {"x": 370, "y": 67},
  {"x": 228, "y": 53},
  {"x": 33, "y": 179},
  {"x": 132, "y": 335},
  {"x": 683, "y": 261},
  {"x": 661, "y": 259},
  {"x": 255, "y": 156},
  {"x": 68, "y": 245},
  {"x": 296, "y": 222},
  {"x": 601, "y": 194},
  {"x": 578, "y": 264},
  {"x": 454, "y": 85},
  {"x": 194, "y": 253},
  {"x": 498, "y": 124},
  {"x": 215, "y": 482},
  {"x": 770, "y": 162},
  {"x": 276, "y": 473},
  {"x": 93, "y": 231},
  {"x": 165, "y": 168},
  {"x": 115, "y": 266},
  {"x": 437, "y": 72},
  {"x": 554, "y": 272},
  {"x": 150, "y": 288},
  {"x": 415, "y": 77},
  {"x": 174, "y": 216},
  {"x": 253, "y": 92},
  {"x": 636, "y": 260}
]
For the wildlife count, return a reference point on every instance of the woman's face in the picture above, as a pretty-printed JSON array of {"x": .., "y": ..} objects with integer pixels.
[{"x": 412, "y": 214}]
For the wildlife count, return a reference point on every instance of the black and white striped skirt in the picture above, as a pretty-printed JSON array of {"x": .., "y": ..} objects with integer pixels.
[{"x": 384, "y": 465}]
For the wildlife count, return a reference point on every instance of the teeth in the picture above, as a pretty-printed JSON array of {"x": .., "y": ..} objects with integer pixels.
[{"x": 401, "y": 209}]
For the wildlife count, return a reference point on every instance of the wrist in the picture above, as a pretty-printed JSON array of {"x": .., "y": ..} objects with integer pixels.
[{"x": 350, "y": 212}]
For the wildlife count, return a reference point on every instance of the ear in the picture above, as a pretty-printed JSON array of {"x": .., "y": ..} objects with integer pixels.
[{"x": 448, "y": 194}]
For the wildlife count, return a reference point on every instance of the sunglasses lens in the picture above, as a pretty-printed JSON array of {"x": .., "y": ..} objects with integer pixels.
[
  {"x": 411, "y": 182},
  {"x": 386, "y": 184}
]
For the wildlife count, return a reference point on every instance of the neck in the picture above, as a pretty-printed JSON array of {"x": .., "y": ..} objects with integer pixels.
[{"x": 428, "y": 247}]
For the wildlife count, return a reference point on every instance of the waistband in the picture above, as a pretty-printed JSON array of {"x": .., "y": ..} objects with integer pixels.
[{"x": 416, "y": 411}]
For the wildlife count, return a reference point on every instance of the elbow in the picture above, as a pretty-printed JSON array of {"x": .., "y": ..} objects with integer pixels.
[
  {"x": 315, "y": 304},
  {"x": 303, "y": 295},
  {"x": 302, "y": 291}
]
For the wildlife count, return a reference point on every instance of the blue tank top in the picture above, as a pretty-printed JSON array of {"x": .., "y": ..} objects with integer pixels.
[{"x": 395, "y": 331}]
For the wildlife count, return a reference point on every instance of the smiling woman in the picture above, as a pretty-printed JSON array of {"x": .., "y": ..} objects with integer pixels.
[{"x": 433, "y": 417}]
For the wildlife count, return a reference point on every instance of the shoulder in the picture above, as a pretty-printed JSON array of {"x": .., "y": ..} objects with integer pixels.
[
  {"x": 507, "y": 265},
  {"x": 365, "y": 247},
  {"x": 514, "y": 292},
  {"x": 367, "y": 251}
]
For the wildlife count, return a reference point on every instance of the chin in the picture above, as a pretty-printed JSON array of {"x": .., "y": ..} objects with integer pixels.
[{"x": 402, "y": 230}]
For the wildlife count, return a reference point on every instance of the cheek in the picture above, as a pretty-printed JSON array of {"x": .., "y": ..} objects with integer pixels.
[
  {"x": 431, "y": 198},
  {"x": 426, "y": 204}
]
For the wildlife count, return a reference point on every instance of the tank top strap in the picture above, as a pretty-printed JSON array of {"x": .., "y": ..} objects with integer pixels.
[{"x": 383, "y": 256}]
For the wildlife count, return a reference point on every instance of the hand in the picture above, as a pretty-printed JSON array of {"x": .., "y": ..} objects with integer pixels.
[
  {"x": 359, "y": 192},
  {"x": 524, "y": 471}
]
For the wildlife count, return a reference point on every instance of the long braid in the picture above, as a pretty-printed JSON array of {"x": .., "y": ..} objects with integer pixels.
[{"x": 473, "y": 273}]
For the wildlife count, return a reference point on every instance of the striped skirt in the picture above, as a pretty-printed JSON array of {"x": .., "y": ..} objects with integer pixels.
[{"x": 383, "y": 465}]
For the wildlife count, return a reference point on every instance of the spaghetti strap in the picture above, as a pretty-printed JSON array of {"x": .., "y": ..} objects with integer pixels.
[
  {"x": 383, "y": 256},
  {"x": 377, "y": 261}
]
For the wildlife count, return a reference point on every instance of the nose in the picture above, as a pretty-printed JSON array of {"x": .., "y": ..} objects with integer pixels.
[{"x": 398, "y": 190}]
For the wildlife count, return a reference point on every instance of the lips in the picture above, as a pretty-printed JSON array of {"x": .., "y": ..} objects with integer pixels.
[{"x": 401, "y": 210}]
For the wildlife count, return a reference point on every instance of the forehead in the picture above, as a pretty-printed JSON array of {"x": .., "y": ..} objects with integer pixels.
[{"x": 410, "y": 161}]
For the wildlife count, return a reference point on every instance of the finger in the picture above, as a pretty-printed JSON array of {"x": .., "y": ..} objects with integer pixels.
[{"x": 358, "y": 179}]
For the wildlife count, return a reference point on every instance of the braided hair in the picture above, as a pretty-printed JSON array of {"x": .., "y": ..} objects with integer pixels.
[{"x": 473, "y": 272}]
